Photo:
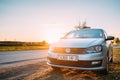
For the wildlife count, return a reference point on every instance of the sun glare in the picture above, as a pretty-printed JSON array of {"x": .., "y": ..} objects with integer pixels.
[
  {"x": 52, "y": 32},
  {"x": 52, "y": 37}
]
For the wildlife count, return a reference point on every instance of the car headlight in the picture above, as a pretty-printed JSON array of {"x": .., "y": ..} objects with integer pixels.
[{"x": 94, "y": 49}]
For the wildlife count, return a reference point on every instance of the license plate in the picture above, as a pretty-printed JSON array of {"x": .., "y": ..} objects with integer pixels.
[{"x": 69, "y": 58}]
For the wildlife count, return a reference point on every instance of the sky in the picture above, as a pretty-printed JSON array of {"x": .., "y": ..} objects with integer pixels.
[{"x": 37, "y": 20}]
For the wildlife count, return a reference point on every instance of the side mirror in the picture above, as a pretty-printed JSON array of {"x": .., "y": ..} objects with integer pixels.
[{"x": 109, "y": 38}]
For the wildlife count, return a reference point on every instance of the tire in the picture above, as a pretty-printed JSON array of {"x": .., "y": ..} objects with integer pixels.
[
  {"x": 106, "y": 70},
  {"x": 111, "y": 60}
]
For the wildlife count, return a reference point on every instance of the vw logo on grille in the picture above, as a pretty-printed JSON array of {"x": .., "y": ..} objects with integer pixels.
[{"x": 68, "y": 50}]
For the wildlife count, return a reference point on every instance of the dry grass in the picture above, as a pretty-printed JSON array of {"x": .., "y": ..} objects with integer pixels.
[{"x": 17, "y": 48}]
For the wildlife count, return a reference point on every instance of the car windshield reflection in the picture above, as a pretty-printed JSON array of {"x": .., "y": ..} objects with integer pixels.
[{"x": 84, "y": 34}]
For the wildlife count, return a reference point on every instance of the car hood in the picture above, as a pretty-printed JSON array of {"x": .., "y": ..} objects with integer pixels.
[{"x": 83, "y": 43}]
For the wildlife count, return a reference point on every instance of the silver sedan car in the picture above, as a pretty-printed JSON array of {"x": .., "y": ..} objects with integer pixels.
[{"x": 85, "y": 49}]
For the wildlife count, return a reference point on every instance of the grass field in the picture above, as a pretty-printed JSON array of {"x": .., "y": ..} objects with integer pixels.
[
  {"x": 116, "y": 50},
  {"x": 17, "y": 45},
  {"x": 17, "y": 48}
]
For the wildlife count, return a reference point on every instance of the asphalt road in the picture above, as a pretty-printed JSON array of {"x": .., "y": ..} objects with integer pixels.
[{"x": 16, "y": 56}]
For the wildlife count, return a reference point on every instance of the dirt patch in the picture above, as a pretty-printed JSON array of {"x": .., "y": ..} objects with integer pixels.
[
  {"x": 39, "y": 70},
  {"x": 22, "y": 69}
]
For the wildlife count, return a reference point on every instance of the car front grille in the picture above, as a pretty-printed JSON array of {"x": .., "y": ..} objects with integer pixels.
[{"x": 72, "y": 50}]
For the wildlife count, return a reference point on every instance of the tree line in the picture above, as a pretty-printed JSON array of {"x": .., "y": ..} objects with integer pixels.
[{"x": 19, "y": 43}]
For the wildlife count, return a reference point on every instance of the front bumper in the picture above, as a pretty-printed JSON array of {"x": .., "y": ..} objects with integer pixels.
[
  {"x": 93, "y": 61},
  {"x": 82, "y": 65},
  {"x": 80, "y": 68}
]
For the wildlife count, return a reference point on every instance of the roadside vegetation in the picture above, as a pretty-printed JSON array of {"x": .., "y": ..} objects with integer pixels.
[
  {"x": 116, "y": 42},
  {"x": 16, "y": 45}
]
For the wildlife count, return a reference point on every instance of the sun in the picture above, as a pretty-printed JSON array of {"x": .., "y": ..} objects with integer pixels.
[
  {"x": 52, "y": 32},
  {"x": 52, "y": 37}
]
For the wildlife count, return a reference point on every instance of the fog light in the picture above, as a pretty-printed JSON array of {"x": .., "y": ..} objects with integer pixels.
[{"x": 96, "y": 62}]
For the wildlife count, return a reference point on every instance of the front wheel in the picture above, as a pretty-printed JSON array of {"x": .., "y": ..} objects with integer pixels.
[
  {"x": 111, "y": 60},
  {"x": 106, "y": 70}
]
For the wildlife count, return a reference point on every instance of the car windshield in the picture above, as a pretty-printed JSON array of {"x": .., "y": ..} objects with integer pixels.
[{"x": 90, "y": 33}]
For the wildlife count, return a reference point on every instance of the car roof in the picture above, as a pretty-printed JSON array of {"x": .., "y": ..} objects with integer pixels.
[{"x": 89, "y": 29}]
